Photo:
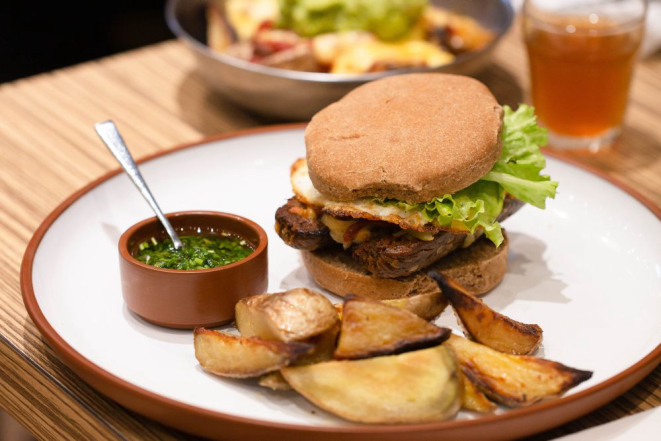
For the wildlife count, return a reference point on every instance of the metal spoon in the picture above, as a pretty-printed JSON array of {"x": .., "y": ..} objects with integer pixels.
[{"x": 107, "y": 131}]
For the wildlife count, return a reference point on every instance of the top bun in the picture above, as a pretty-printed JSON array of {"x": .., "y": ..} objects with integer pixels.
[{"x": 407, "y": 137}]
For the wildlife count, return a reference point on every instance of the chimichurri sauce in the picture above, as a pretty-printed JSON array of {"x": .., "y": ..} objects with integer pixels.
[{"x": 198, "y": 252}]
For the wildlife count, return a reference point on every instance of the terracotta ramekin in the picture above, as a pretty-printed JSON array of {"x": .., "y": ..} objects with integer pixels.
[{"x": 185, "y": 299}]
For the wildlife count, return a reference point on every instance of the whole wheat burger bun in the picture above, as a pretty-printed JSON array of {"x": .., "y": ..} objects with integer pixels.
[
  {"x": 407, "y": 137},
  {"x": 478, "y": 268}
]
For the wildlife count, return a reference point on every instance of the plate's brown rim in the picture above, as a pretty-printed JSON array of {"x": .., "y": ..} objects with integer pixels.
[{"x": 91, "y": 370}]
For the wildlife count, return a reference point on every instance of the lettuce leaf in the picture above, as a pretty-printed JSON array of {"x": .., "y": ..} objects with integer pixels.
[
  {"x": 521, "y": 161},
  {"x": 517, "y": 172},
  {"x": 476, "y": 206}
]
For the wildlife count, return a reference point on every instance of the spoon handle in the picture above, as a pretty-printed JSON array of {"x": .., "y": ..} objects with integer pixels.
[{"x": 109, "y": 134}]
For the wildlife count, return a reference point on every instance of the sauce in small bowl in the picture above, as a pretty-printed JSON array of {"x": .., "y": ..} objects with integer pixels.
[
  {"x": 199, "y": 251},
  {"x": 224, "y": 259}
]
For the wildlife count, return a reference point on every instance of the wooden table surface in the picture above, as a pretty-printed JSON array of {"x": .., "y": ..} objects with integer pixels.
[{"x": 49, "y": 150}]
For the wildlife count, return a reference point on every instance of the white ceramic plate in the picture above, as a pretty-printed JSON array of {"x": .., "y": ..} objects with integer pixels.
[{"x": 587, "y": 270}]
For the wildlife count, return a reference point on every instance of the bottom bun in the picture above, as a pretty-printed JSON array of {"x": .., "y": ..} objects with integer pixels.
[{"x": 478, "y": 268}]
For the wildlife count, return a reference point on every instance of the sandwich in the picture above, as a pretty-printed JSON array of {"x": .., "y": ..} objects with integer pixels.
[{"x": 411, "y": 174}]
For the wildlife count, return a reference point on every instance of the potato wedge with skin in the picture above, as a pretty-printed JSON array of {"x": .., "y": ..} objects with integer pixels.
[
  {"x": 243, "y": 357},
  {"x": 324, "y": 346},
  {"x": 513, "y": 380},
  {"x": 292, "y": 315},
  {"x": 370, "y": 327},
  {"x": 415, "y": 387},
  {"x": 427, "y": 306},
  {"x": 274, "y": 381},
  {"x": 473, "y": 399},
  {"x": 338, "y": 307},
  {"x": 486, "y": 326}
]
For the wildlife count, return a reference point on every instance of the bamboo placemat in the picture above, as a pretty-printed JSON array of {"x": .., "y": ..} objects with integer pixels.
[{"x": 49, "y": 150}]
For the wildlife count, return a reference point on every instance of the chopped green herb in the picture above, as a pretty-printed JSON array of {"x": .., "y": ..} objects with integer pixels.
[{"x": 198, "y": 252}]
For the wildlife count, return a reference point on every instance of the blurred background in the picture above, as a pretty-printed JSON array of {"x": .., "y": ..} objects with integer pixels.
[{"x": 41, "y": 35}]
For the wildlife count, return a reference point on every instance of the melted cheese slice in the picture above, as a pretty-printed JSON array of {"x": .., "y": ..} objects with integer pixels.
[
  {"x": 338, "y": 229},
  {"x": 359, "y": 209}
]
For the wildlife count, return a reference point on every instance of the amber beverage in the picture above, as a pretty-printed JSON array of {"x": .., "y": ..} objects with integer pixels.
[{"x": 581, "y": 68}]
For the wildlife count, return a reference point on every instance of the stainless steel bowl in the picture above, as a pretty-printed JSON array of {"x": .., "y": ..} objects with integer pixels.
[{"x": 294, "y": 95}]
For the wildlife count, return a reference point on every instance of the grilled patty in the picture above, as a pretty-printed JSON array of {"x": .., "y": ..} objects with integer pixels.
[
  {"x": 298, "y": 225},
  {"x": 390, "y": 256},
  {"x": 383, "y": 254}
]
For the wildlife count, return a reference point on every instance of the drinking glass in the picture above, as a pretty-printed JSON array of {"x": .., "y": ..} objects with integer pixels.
[{"x": 582, "y": 55}]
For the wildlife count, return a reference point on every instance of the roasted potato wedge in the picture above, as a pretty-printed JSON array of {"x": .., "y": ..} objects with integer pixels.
[
  {"x": 274, "y": 381},
  {"x": 513, "y": 380},
  {"x": 370, "y": 328},
  {"x": 338, "y": 308},
  {"x": 486, "y": 326},
  {"x": 243, "y": 357},
  {"x": 414, "y": 387},
  {"x": 293, "y": 315},
  {"x": 472, "y": 398},
  {"x": 427, "y": 306},
  {"x": 324, "y": 347}
]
